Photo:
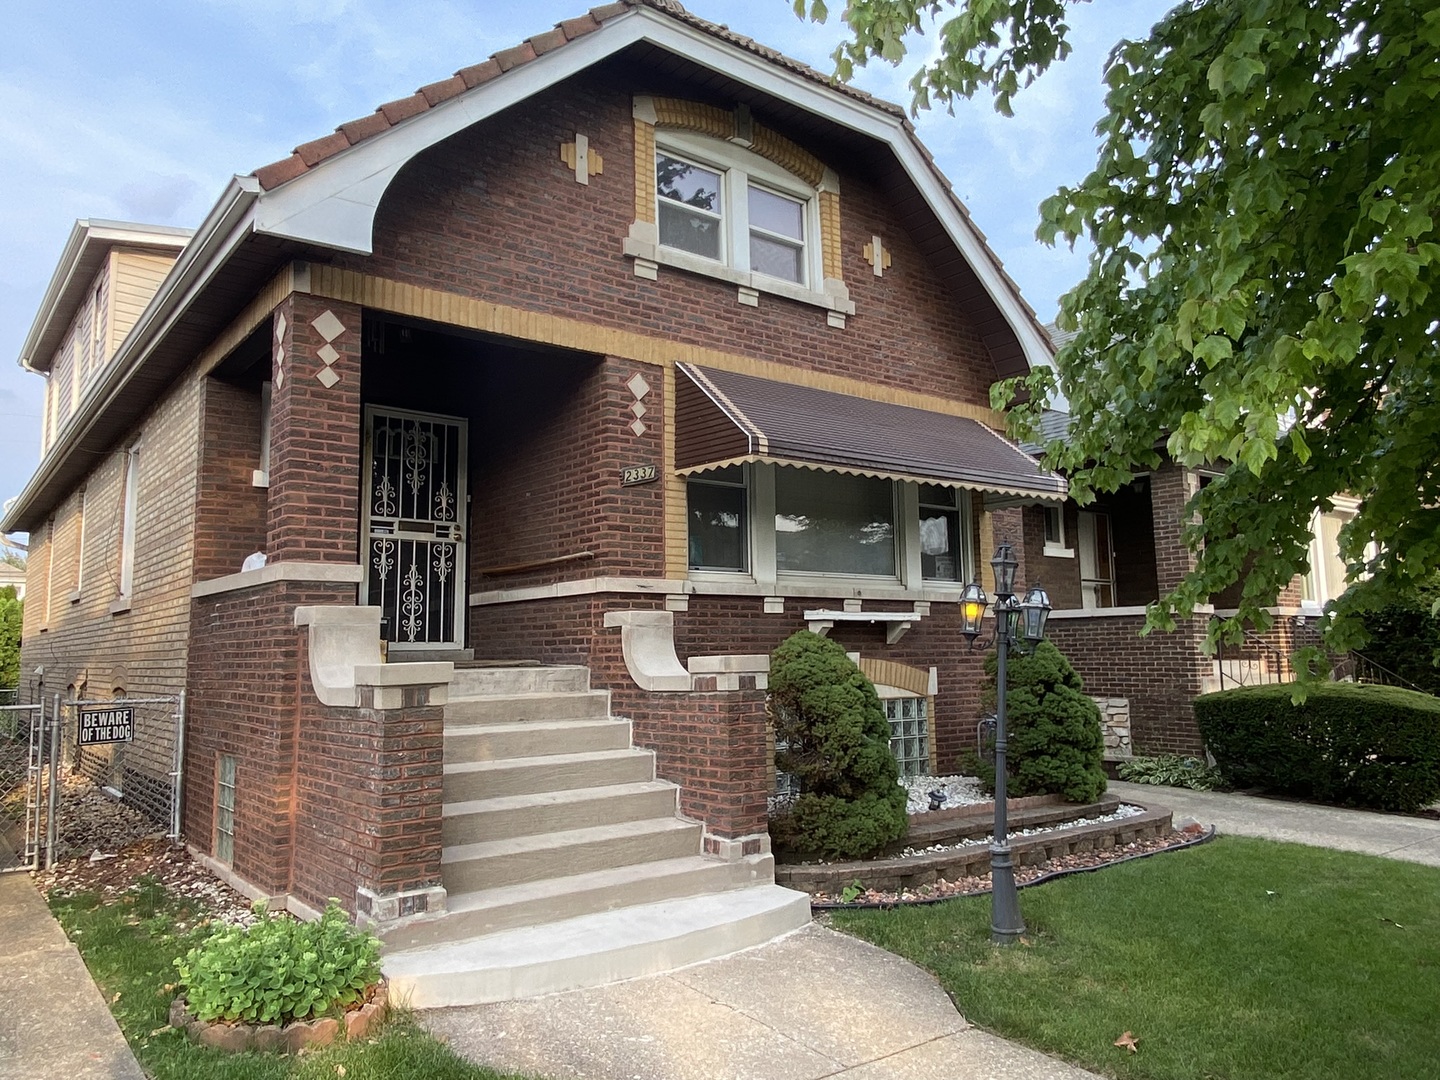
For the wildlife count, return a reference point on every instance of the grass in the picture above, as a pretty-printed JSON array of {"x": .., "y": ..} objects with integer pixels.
[
  {"x": 130, "y": 944},
  {"x": 1239, "y": 960}
]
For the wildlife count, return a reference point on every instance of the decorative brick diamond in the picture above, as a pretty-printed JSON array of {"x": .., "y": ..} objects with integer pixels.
[
  {"x": 638, "y": 386},
  {"x": 327, "y": 353},
  {"x": 638, "y": 427},
  {"x": 328, "y": 377},
  {"x": 280, "y": 378},
  {"x": 328, "y": 326},
  {"x": 639, "y": 410},
  {"x": 280, "y": 325}
]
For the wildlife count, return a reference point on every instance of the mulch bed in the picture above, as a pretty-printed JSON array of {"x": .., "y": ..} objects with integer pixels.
[
  {"x": 110, "y": 875},
  {"x": 978, "y": 885}
]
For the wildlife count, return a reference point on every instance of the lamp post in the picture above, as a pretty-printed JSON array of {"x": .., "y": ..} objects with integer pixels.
[{"x": 1019, "y": 625}]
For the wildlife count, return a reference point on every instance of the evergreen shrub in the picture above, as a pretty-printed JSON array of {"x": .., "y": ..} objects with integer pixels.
[
  {"x": 280, "y": 969},
  {"x": 832, "y": 737},
  {"x": 1347, "y": 744},
  {"x": 1054, "y": 742},
  {"x": 1405, "y": 636}
]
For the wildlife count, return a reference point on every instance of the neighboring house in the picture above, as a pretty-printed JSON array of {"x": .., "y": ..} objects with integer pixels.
[
  {"x": 625, "y": 353},
  {"x": 13, "y": 577},
  {"x": 1104, "y": 563}
]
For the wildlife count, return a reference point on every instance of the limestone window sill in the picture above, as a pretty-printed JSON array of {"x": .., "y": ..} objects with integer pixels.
[{"x": 120, "y": 605}]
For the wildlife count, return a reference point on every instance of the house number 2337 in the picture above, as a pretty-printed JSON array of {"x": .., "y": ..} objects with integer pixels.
[{"x": 638, "y": 474}]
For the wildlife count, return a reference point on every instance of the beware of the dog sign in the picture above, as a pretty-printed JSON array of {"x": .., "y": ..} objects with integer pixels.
[{"x": 106, "y": 726}]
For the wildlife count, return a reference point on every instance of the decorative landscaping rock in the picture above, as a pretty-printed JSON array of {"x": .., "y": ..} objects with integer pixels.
[{"x": 235, "y": 1038}]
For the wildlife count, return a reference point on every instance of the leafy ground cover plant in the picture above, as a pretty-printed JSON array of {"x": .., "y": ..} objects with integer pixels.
[
  {"x": 280, "y": 969},
  {"x": 834, "y": 740},
  {"x": 1172, "y": 770},
  {"x": 1055, "y": 743}
]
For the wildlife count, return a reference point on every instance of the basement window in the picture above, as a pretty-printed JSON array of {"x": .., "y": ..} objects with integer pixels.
[
  {"x": 909, "y": 733},
  {"x": 225, "y": 810}
]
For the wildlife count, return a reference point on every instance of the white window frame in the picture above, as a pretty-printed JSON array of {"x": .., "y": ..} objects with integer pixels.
[
  {"x": 760, "y": 491},
  {"x": 80, "y": 545},
  {"x": 129, "y": 510},
  {"x": 1056, "y": 549},
  {"x": 1317, "y": 589},
  {"x": 738, "y": 169},
  {"x": 260, "y": 477}
]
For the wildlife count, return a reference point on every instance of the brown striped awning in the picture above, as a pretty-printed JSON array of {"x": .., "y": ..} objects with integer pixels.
[{"x": 723, "y": 418}]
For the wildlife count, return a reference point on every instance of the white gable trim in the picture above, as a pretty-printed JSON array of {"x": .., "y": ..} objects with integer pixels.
[{"x": 334, "y": 204}]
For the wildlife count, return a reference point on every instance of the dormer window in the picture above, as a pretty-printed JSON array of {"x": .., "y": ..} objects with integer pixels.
[{"x": 733, "y": 207}]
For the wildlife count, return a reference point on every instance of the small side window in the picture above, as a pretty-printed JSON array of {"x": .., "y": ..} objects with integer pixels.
[
  {"x": 1055, "y": 545},
  {"x": 225, "y": 809}
]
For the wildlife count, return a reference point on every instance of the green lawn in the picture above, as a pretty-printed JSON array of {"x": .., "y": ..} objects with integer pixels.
[
  {"x": 1236, "y": 960},
  {"x": 129, "y": 946}
]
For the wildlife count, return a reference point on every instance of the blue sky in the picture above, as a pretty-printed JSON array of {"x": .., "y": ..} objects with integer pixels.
[{"x": 142, "y": 110}]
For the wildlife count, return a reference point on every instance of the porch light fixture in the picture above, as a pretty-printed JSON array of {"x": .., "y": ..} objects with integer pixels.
[{"x": 1019, "y": 625}]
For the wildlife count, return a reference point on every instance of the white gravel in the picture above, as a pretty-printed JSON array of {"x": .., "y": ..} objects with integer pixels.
[
  {"x": 1124, "y": 810},
  {"x": 959, "y": 791}
]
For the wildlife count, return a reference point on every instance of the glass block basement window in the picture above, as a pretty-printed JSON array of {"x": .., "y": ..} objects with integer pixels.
[
  {"x": 225, "y": 810},
  {"x": 909, "y": 734}
]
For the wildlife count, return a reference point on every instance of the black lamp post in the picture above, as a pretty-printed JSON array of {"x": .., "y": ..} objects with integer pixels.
[{"x": 1019, "y": 625}]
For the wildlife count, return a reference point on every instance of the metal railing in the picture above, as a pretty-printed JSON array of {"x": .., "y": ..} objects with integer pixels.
[{"x": 1254, "y": 661}]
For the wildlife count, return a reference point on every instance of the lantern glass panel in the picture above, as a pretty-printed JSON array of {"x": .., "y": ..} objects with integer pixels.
[
  {"x": 973, "y": 603},
  {"x": 1004, "y": 564}
]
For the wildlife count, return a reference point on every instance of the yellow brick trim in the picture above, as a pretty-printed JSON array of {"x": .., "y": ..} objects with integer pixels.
[
  {"x": 644, "y": 171},
  {"x": 830, "y": 234},
  {"x": 788, "y": 156},
  {"x": 677, "y": 533},
  {"x": 987, "y": 535},
  {"x": 256, "y": 312},
  {"x": 403, "y": 299},
  {"x": 693, "y": 116},
  {"x": 893, "y": 673}
]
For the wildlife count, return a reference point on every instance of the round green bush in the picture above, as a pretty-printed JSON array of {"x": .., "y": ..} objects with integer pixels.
[
  {"x": 832, "y": 737},
  {"x": 1347, "y": 744},
  {"x": 1055, "y": 745},
  {"x": 280, "y": 969}
]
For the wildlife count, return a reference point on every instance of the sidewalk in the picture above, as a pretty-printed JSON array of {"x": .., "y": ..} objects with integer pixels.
[
  {"x": 53, "y": 1022},
  {"x": 1393, "y": 836},
  {"x": 813, "y": 1004}
]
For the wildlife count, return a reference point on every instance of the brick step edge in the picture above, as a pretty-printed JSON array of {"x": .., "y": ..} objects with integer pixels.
[
  {"x": 893, "y": 875},
  {"x": 236, "y": 1038}
]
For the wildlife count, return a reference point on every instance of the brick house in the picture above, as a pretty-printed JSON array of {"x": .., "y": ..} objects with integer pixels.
[{"x": 466, "y": 465}]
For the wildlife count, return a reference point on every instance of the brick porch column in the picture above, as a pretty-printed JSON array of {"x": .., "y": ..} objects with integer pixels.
[{"x": 313, "y": 512}]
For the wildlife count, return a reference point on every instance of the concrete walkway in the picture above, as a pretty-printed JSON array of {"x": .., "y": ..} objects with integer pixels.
[
  {"x": 1391, "y": 835},
  {"x": 53, "y": 1021},
  {"x": 813, "y": 1004}
]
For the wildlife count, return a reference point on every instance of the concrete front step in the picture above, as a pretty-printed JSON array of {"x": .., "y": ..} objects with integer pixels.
[
  {"x": 468, "y": 780},
  {"x": 515, "y": 708},
  {"x": 534, "y": 738},
  {"x": 494, "y": 864},
  {"x": 478, "y": 820},
  {"x": 592, "y": 950},
  {"x": 499, "y": 681},
  {"x": 535, "y": 903}
]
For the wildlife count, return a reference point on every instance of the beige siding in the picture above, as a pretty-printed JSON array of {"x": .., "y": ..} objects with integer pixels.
[{"x": 136, "y": 279}]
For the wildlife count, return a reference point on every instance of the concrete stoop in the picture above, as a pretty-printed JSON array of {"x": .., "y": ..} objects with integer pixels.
[
  {"x": 593, "y": 950},
  {"x": 565, "y": 861}
]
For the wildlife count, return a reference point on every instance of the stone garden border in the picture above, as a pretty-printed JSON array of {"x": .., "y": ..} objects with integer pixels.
[{"x": 290, "y": 1039}]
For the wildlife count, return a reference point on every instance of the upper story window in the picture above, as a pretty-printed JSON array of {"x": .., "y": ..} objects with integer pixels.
[{"x": 735, "y": 208}]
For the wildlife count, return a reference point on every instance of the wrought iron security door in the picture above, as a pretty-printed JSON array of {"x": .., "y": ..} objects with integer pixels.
[{"x": 415, "y": 498}]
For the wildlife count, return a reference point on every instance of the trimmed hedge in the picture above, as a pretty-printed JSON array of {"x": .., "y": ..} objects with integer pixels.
[
  {"x": 836, "y": 744},
  {"x": 1348, "y": 744}
]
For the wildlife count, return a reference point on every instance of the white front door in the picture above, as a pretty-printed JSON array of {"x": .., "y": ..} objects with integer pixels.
[{"x": 415, "y": 502}]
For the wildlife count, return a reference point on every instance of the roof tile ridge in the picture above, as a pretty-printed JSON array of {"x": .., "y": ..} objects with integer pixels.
[{"x": 309, "y": 154}]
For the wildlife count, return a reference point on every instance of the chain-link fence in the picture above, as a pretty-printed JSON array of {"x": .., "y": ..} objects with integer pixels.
[
  {"x": 133, "y": 749},
  {"x": 28, "y": 751}
]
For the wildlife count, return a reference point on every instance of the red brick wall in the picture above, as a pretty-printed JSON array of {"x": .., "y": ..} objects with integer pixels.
[
  {"x": 1161, "y": 674},
  {"x": 327, "y": 799},
  {"x": 230, "y": 512},
  {"x": 553, "y": 488},
  {"x": 494, "y": 213},
  {"x": 313, "y": 505}
]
